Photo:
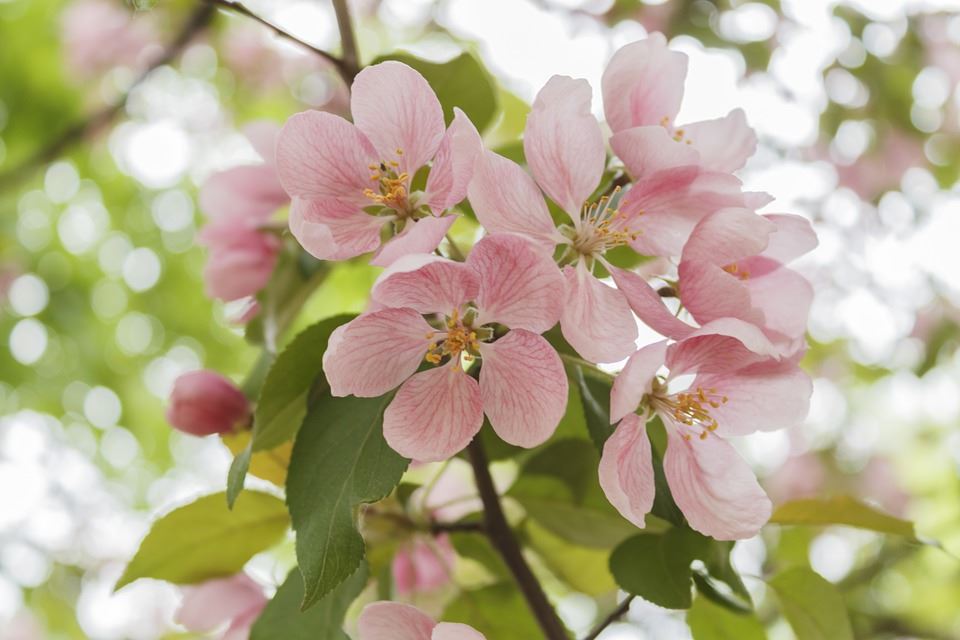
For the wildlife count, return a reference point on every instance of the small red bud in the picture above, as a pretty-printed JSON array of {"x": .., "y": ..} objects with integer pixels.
[{"x": 204, "y": 402}]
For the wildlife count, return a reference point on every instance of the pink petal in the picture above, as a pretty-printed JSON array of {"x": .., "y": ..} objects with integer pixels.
[
  {"x": 453, "y": 165},
  {"x": 435, "y": 414},
  {"x": 239, "y": 628},
  {"x": 708, "y": 292},
  {"x": 596, "y": 319},
  {"x": 263, "y": 135},
  {"x": 394, "y": 621},
  {"x": 333, "y": 230},
  {"x": 647, "y": 304},
  {"x": 719, "y": 346},
  {"x": 724, "y": 143},
  {"x": 428, "y": 284},
  {"x": 519, "y": 286},
  {"x": 783, "y": 297},
  {"x": 396, "y": 108},
  {"x": 643, "y": 84},
  {"x": 714, "y": 488},
  {"x": 375, "y": 352},
  {"x": 422, "y": 236},
  {"x": 249, "y": 192},
  {"x": 647, "y": 150},
  {"x": 212, "y": 603},
  {"x": 793, "y": 238},
  {"x": 636, "y": 380},
  {"x": 523, "y": 387},
  {"x": 563, "y": 143},
  {"x": 322, "y": 156},
  {"x": 728, "y": 235},
  {"x": 507, "y": 200},
  {"x": 626, "y": 470},
  {"x": 456, "y": 631}
]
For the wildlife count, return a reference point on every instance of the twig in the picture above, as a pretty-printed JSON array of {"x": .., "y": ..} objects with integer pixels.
[
  {"x": 456, "y": 527},
  {"x": 615, "y": 615},
  {"x": 348, "y": 41},
  {"x": 198, "y": 20},
  {"x": 501, "y": 537},
  {"x": 345, "y": 70}
]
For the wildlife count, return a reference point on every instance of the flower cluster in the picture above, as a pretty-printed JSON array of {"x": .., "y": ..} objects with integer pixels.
[{"x": 461, "y": 339}]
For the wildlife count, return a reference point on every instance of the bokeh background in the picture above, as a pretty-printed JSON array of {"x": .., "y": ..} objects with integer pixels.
[{"x": 857, "y": 106}]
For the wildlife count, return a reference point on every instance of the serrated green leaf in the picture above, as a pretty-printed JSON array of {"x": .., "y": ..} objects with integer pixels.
[
  {"x": 237, "y": 475},
  {"x": 709, "y": 621},
  {"x": 812, "y": 605},
  {"x": 205, "y": 539},
  {"x": 656, "y": 567},
  {"x": 283, "y": 620},
  {"x": 340, "y": 460},
  {"x": 841, "y": 510}
]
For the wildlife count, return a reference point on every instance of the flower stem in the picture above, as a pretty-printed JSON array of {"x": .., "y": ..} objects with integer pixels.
[
  {"x": 348, "y": 41},
  {"x": 615, "y": 615},
  {"x": 503, "y": 540}
]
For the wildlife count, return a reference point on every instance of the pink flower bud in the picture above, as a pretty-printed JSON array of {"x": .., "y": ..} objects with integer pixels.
[{"x": 204, "y": 402}]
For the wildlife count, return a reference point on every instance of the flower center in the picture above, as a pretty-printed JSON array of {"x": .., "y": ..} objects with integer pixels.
[
  {"x": 391, "y": 185},
  {"x": 691, "y": 408},
  {"x": 736, "y": 271},
  {"x": 459, "y": 338},
  {"x": 602, "y": 227}
]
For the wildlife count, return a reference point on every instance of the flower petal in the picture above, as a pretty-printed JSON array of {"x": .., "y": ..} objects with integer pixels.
[
  {"x": 728, "y": 235},
  {"x": 643, "y": 84},
  {"x": 435, "y": 414},
  {"x": 725, "y": 143},
  {"x": 214, "y": 602},
  {"x": 523, "y": 387},
  {"x": 782, "y": 296},
  {"x": 708, "y": 292},
  {"x": 455, "y": 631},
  {"x": 519, "y": 286},
  {"x": 507, "y": 200},
  {"x": 636, "y": 379},
  {"x": 647, "y": 150},
  {"x": 453, "y": 165},
  {"x": 250, "y": 192},
  {"x": 320, "y": 155},
  {"x": 720, "y": 346},
  {"x": 375, "y": 352},
  {"x": 563, "y": 143},
  {"x": 263, "y": 135},
  {"x": 647, "y": 304},
  {"x": 333, "y": 230},
  {"x": 428, "y": 284},
  {"x": 396, "y": 108},
  {"x": 422, "y": 236},
  {"x": 793, "y": 238},
  {"x": 596, "y": 319},
  {"x": 715, "y": 489},
  {"x": 394, "y": 621},
  {"x": 626, "y": 470}
]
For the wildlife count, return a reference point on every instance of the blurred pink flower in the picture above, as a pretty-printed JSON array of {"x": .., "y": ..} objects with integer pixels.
[
  {"x": 423, "y": 564},
  {"x": 394, "y": 621},
  {"x": 801, "y": 476},
  {"x": 204, "y": 403},
  {"x": 99, "y": 34},
  {"x": 234, "y": 602}
]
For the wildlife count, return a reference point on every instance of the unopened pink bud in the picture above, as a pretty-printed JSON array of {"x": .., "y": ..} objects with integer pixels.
[{"x": 204, "y": 402}]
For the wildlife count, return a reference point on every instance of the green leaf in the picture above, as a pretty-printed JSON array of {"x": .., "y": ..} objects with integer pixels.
[
  {"x": 656, "y": 567},
  {"x": 205, "y": 539},
  {"x": 497, "y": 611},
  {"x": 237, "y": 475},
  {"x": 282, "y": 403},
  {"x": 719, "y": 581},
  {"x": 460, "y": 82},
  {"x": 709, "y": 621},
  {"x": 283, "y": 620},
  {"x": 595, "y": 397},
  {"x": 582, "y": 568},
  {"x": 841, "y": 510},
  {"x": 812, "y": 606},
  {"x": 339, "y": 461}
]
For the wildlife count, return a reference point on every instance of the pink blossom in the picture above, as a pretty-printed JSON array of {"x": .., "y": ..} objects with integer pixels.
[
  {"x": 436, "y": 412},
  {"x": 204, "y": 402},
  {"x": 234, "y": 602},
  {"x": 422, "y": 565},
  {"x": 738, "y": 388},
  {"x": 351, "y": 183},
  {"x": 395, "y": 621},
  {"x": 98, "y": 34}
]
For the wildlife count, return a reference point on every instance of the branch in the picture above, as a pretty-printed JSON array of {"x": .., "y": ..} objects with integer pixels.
[
  {"x": 615, "y": 615},
  {"x": 456, "y": 527},
  {"x": 200, "y": 18},
  {"x": 501, "y": 537},
  {"x": 348, "y": 41}
]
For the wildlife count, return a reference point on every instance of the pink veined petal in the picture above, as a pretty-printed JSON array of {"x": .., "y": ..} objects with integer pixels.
[
  {"x": 249, "y": 192},
  {"x": 793, "y": 237},
  {"x": 435, "y": 414},
  {"x": 523, "y": 387},
  {"x": 636, "y": 379},
  {"x": 239, "y": 629},
  {"x": 507, "y": 200},
  {"x": 453, "y": 165},
  {"x": 263, "y": 135},
  {"x": 422, "y": 236},
  {"x": 647, "y": 304},
  {"x": 455, "y": 631},
  {"x": 708, "y": 293},
  {"x": 563, "y": 143},
  {"x": 762, "y": 401},
  {"x": 333, "y": 230},
  {"x": 396, "y": 108},
  {"x": 376, "y": 352},
  {"x": 728, "y": 235},
  {"x": 725, "y": 143},
  {"x": 714, "y": 488},
  {"x": 626, "y": 470},
  {"x": 718, "y": 346},
  {"x": 649, "y": 149},
  {"x": 643, "y": 84},
  {"x": 394, "y": 621},
  {"x": 428, "y": 284},
  {"x": 212, "y": 603},
  {"x": 783, "y": 297},
  {"x": 519, "y": 286},
  {"x": 322, "y": 156},
  {"x": 596, "y": 319}
]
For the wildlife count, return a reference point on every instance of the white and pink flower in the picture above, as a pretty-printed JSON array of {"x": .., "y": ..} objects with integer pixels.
[
  {"x": 394, "y": 621},
  {"x": 232, "y": 604}
]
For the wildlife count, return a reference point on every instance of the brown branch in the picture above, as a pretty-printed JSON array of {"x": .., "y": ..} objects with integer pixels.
[
  {"x": 502, "y": 539},
  {"x": 348, "y": 41},
  {"x": 615, "y": 615},
  {"x": 456, "y": 527}
]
